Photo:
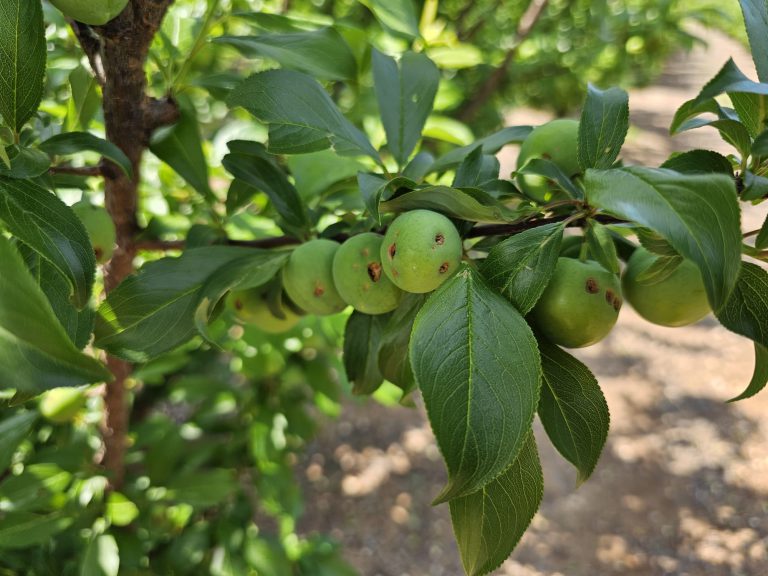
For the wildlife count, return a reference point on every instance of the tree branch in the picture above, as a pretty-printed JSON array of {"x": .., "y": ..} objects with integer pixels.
[
  {"x": 497, "y": 77},
  {"x": 91, "y": 45}
]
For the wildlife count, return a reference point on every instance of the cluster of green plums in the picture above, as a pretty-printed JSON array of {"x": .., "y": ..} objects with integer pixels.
[
  {"x": 370, "y": 272},
  {"x": 582, "y": 301}
]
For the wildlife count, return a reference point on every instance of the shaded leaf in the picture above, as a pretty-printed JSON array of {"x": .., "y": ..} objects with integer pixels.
[
  {"x": 520, "y": 266},
  {"x": 70, "y": 143},
  {"x": 489, "y": 523},
  {"x": 12, "y": 431},
  {"x": 292, "y": 100},
  {"x": 468, "y": 204},
  {"x": 746, "y": 311},
  {"x": 601, "y": 246},
  {"x": 397, "y": 16},
  {"x": 572, "y": 408},
  {"x": 101, "y": 558},
  {"x": 759, "y": 377},
  {"x": 490, "y": 145},
  {"x": 699, "y": 162},
  {"x": 50, "y": 227},
  {"x": 24, "y": 529},
  {"x": 756, "y": 20},
  {"x": 362, "y": 340},
  {"x": 552, "y": 172},
  {"x": 394, "y": 354}
]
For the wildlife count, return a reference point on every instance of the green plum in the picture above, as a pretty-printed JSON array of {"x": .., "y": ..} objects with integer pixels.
[
  {"x": 580, "y": 305},
  {"x": 556, "y": 141},
  {"x": 359, "y": 276},
  {"x": 62, "y": 405},
  {"x": 93, "y": 12},
  {"x": 677, "y": 300},
  {"x": 421, "y": 250},
  {"x": 308, "y": 278},
  {"x": 250, "y": 307}
]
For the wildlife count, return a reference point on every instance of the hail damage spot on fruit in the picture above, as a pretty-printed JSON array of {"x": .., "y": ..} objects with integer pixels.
[
  {"x": 610, "y": 297},
  {"x": 617, "y": 304},
  {"x": 365, "y": 252},
  {"x": 392, "y": 250},
  {"x": 440, "y": 239},
  {"x": 374, "y": 271},
  {"x": 591, "y": 286},
  {"x": 444, "y": 267},
  {"x": 98, "y": 253},
  {"x": 239, "y": 304},
  {"x": 319, "y": 290}
]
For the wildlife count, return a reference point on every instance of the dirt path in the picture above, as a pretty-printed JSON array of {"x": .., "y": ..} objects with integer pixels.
[{"x": 682, "y": 487}]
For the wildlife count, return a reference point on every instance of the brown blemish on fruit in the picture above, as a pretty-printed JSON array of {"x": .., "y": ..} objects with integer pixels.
[
  {"x": 444, "y": 267},
  {"x": 617, "y": 304},
  {"x": 591, "y": 286},
  {"x": 319, "y": 290},
  {"x": 440, "y": 239},
  {"x": 365, "y": 252},
  {"x": 609, "y": 296},
  {"x": 392, "y": 250},
  {"x": 238, "y": 304},
  {"x": 374, "y": 271},
  {"x": 98, "y": 253}
]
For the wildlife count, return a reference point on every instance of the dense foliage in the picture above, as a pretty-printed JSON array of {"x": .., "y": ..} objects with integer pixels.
[{"x": 281, "y": 135}]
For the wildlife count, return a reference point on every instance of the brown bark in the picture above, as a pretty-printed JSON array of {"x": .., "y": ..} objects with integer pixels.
[{"x": 118, "y": 53}]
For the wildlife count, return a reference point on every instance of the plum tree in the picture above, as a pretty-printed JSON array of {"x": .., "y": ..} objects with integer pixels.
[
  {"x": 308, "y": 278},
  {"x": 251, "y": 307},
  {"x": 676, "y": 300},
  {"x": 98, "y": 223},
  {"x": 359, "y": 276},
  {"x": 421, "y": 250},
  {"x": 556, "y": 141},
  {"x": 93, "y": 12},
  {"x": 580, "y": 305}
]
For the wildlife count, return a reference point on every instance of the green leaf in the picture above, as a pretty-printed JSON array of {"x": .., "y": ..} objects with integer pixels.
[
  {"x": 406, "y": 93},
  {"x": 85, "y": 101},
  {"x": 603, "y": 127},
  {"x": 101, "y": 558},
  {"x": 729, "y": 79},
  {"x": 553, "y": 172},
  {"x": 35, "y": 488},
  {"x": 759, "y": 377},
  {"x": 153, "y": 311},
  {"x": 468, "y": 204},
  {"x": 394, "y": 354},
  {"x": 456, "y": 57},
  {"x": 572, "y": 408},
  {"x": 260, "y": 170},
  {"x": 50, "y": 227},
  {"x": 693, "y": 108},
  {"x": 399, "y": 17},
  {"x": 699, "y": 162},
  {"x": 654, "y": 242},
  {"x": 22, "y": 60},
  {"x": 375, "y": 187},
  {"x": 25, "y": 163},
  {"x": 181, "y": 147},
  {"x": 659, "y": 270},
  {"x": 321, "y": 53},
  {"x": 77, "y": 323},
  {"x": 476, "y": 362},
  {"x": 490, "y": 144},
  {"x": 732, "y": 131},
  {"x": 476, "y": 169},
  {"x": 120, "y": 511},
  {"x": 12, "y": 431},
  {"x": 35, "y": 352},
  {"x": 203, "y": 488},
  {"x": 746, "y": 311},
  {"x": 751, "y": 109},
  {"x": 315, "y": 173},
  {"x": 755, "y": 187},
  {"x": 489, "y": 523},
  {"x": 697, "y": 214},
  {"x": 756, "y": 20},
  {"x": 362, "y": 340},
  {"x": 75, "y": 142},
  {"x": 760, "y": 145},
  {"x": 521, "y": 266},
  {"x": 292, "y": 100},
  {"x": 24, "y": 529},
  {"x": 419, "y": 166},
  {"x": 601, "y": 246},
  {"x": 761, "y": 241}
]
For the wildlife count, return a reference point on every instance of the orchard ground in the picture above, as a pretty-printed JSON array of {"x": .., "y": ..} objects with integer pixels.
[{"x": 682, "y": 486}]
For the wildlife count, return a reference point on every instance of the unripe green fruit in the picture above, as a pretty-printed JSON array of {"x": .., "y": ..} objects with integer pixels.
[
  {"x": 250, "y": 307},
  {"x": 308, "y": 278},
  {"x": 360, "y": 278},
  {"x": 678, "y": 300},
  {"x": 98, "y": 223},
  {"x": 93, "y": 12},
  {"x": 421, "y": 250},
  {"x": 61, "y": 405},
  {"x": 580, "y": 304},
  {"x": 556, "y": 141}
]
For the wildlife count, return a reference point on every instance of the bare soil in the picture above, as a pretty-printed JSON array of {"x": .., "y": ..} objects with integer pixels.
[{"x": 682, "y": 486}]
